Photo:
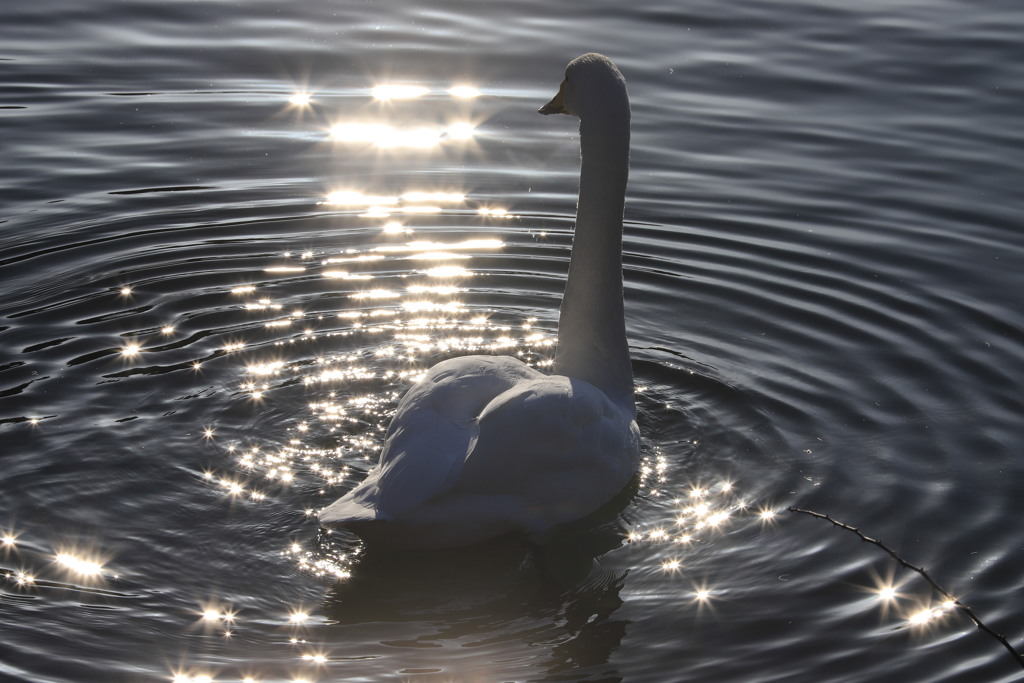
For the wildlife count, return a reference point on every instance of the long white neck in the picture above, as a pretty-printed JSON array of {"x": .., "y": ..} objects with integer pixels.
[{"x": 592, "y": 342}]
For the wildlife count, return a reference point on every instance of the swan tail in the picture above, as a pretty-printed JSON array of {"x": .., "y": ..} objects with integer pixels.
[
  {"x": 345, "y": 511},
  {"x": 358, "y": 506}
]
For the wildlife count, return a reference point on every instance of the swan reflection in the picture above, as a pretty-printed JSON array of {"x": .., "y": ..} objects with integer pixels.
[{"x": 433, "y": 600}]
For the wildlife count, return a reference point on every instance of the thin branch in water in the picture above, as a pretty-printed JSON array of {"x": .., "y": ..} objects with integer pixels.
[{"x": 920, "y": 570}]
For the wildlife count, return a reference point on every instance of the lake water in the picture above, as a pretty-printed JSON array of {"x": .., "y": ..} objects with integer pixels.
[{"x": 214, "y": 294}]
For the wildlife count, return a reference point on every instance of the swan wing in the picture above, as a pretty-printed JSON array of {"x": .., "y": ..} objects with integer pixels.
[
  {"x": 434, "y": 428},
  {"x": 558, "y": 443}
]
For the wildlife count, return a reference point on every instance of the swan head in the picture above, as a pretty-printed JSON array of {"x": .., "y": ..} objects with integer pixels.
[{"x": 592, "y": 84}]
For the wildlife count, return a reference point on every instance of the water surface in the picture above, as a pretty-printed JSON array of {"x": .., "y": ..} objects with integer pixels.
[{"x": 215, "y": 292}]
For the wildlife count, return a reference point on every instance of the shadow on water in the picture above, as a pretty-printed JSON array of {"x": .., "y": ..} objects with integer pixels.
[{"x": 504, "y": 594}]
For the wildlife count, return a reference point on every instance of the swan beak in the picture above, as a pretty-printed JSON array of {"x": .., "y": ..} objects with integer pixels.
[{"x": 555, "y": 106}]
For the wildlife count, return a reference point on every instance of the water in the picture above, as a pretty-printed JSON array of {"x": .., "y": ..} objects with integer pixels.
[{"x": 199, "y": 347}]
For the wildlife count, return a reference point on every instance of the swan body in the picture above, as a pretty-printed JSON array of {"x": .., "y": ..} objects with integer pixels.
[{"x": 486, "y": 445}]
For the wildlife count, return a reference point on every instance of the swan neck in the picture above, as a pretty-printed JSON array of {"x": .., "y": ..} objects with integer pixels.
[{"x": 592, "y": 343}]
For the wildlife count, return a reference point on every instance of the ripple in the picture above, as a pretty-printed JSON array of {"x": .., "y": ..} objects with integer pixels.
[{"x": 821, "y": 256}]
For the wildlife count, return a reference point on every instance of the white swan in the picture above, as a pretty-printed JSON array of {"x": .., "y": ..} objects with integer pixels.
[{"x": 486, "y": 445}]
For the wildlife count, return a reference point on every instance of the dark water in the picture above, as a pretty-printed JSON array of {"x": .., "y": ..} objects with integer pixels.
[{"x": 823, "y": 284}]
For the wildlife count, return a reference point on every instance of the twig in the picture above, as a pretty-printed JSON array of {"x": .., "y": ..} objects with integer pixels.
[{"x": 920, "y": 570}]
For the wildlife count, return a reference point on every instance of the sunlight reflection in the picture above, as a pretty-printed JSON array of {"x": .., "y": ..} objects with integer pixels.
[
  {"x": 354, "y": 259},
  {"x": 360, "y": 132},
  {"x": 887, "y": 593},
  {"x": 383, "y": 206},
  {"x": 285, "y": 269},
  {"x": 345, "y": 275},
  {"x": 438, "y": 256},
  {"x": 440, "y": 290},
  {"x": 315, "y": 657},
  {"x": 267, "y": 368},
  {"x": 928, "y": 615},
  {"x": 452, "y": 197},
  {"x": 460, "y": 131},
  {"x": 420, "y": 209},
  {"x": 386, "y": 136},
  {"x": 376, "y": 294},
  {"x": 463, "y": 91},
  {"x": 263, "y": 304},
  {"x": 300, "y": 99},
  {"x": 421, "y": 138},
  {"x": 79, "y": 565},
  {"x": 356, "y": 198},
  {"x": 922, "y": 617},
  {"x": 493, "y": 212},
  {"x": 180, "y": 677},
  {"x": 423, "y": 246},
  {"x": 448, "y": 272},
  {"x": 398, "y": 92}
]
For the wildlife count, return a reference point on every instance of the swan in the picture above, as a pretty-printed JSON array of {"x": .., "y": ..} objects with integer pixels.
[{"x": 487, "y": 445}]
